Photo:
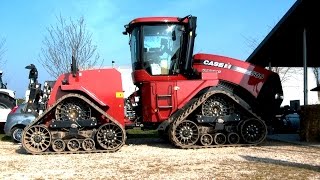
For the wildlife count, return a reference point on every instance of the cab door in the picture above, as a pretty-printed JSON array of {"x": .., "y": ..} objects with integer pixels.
[
  {"x": 158, "y": 100},
  {"x": 165, "y": 99}
]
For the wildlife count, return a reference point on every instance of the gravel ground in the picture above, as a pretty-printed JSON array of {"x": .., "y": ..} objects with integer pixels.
[{"x": 154, "y": 159}]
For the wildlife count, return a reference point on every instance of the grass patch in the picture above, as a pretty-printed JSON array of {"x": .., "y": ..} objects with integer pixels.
[
  {"x": 3, "y": 137},
  {"x": 138, "y": 133}
]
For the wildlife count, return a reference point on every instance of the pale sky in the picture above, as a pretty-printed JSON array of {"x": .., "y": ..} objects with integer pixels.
[{"x": 225, "y": 27}]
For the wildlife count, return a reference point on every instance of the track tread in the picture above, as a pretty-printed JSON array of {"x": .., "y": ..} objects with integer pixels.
[
  {"x": 175, "y": 122},
  {"x": 40, "y": 117}
]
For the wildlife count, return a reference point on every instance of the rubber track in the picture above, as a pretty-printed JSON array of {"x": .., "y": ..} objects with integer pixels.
[
  {"x": 40, "y": 117},
  {"x": 194, "y": 106}
]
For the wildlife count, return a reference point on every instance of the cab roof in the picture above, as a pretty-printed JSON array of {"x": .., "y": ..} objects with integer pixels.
[
  {"x": 150, "y": 20},
  {"x": 157, "y": 19}
]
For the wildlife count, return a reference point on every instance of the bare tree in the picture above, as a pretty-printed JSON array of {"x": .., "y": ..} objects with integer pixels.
[
  {"x": 64, "y": 39},
  {"x": 2, "y": 50},
  {"x": 316, "y": 72},
  {"x": 285, "y": 73}
]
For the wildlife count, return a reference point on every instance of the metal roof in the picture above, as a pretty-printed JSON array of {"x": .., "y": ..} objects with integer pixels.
[
  {"x": 283, "y": 46},
  {"x": 316, "y": 89}
]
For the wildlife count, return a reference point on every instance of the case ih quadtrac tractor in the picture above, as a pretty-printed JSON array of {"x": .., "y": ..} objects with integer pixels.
[{"x": 195, "y": 101}]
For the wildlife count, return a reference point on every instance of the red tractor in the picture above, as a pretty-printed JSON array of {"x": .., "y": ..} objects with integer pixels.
[{"x": 195, "y": 101}]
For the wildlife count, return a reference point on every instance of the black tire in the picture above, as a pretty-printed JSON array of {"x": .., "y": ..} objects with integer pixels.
[
  {"x": 16, "y": 133},
  {"x": 7, "y": 102},
  {"x": 2, "y": 127}
]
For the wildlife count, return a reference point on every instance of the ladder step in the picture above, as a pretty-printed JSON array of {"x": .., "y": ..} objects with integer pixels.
[
  {"x": 165, "y": 107},
  {"x": 164, "y": 95}
]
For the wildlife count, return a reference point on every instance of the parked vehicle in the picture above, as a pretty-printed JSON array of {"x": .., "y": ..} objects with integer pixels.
[
  {"x": 7, "y": 101},
  {"x": 286, "y": 121},
  {"x": 21, "y": 115},
  {"x": 17, "y": 120},
  {"x": 291, "y": 123}
]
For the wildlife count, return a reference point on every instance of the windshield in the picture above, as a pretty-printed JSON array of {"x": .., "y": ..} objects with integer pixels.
[
  {"x": 159, "y": 54},
  {"x": 161, "y": 48}
]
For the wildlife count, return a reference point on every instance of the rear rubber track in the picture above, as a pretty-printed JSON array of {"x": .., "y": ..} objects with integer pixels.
[{"x": 39, "y": 119}]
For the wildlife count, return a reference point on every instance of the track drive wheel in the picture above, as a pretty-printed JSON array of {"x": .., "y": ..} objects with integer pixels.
[
  {"x": 36, "y": 139},
  {"x": 110, "y": 136},
  {"x": 215, "y": 106},
  {"x": 186, "y": 133},
  {"x": 72, "y": 109},
  {"x": 253, "y": 131}
]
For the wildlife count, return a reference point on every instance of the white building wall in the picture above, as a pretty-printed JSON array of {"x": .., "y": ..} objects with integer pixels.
[
  {"x": 127, "y": 83},
  {"x": 293, "y": 87}
]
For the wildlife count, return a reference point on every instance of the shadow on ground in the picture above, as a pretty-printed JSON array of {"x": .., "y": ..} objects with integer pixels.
[
  {"x": 282, "y": 163},
  {"x": 6, "y": 138},
  {"x": 21, "y": 151},
  {"x": 152, "y": 142}
]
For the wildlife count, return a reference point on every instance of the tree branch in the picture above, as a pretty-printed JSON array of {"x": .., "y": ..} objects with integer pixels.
[
  {"x": 2, "y": 51},
  {"x": 316, "y": 72},
  {"x": 63, "y": 38}
]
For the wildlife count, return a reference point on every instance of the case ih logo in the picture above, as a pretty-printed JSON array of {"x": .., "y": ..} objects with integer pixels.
[
  {"x": 217, "y": 64},
  {"x": 234, "y": 68}
]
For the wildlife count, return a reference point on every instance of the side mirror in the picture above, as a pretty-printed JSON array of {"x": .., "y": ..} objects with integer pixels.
[
  {"x": 126, "y": 27},
  {"x": 192, "y": 23}
]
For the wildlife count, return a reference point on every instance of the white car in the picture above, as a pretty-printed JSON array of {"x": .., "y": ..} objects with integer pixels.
[{"x": 7, "y": 102}]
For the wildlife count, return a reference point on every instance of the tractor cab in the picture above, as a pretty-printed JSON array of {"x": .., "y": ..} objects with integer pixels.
[
  {"x": 161, "y": 53},
  {"x": 161, "y": 46}
]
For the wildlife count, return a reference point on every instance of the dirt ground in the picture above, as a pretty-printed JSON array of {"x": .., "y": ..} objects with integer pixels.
[{"x": 155, "y": 159}]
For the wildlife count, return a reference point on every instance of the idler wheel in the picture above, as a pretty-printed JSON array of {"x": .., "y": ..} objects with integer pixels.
[
  {"x": 73, "y": 144},
  {"x": 253, "y": 131},
  {"x": 36, "y": 139},
  {"x": 233, "y": 138},
  {"x": 187, "y": 133},
  {"x": 220, "y": 138},
  {"x": 206, "y": 139},
  {"x": 110, "y": 136},
  {"x": 58, "y": 145},
  {"x": 88, "y": 144}
]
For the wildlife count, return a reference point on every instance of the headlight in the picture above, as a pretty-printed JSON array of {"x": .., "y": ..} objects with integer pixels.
[{"x": 278, "y": 96}]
